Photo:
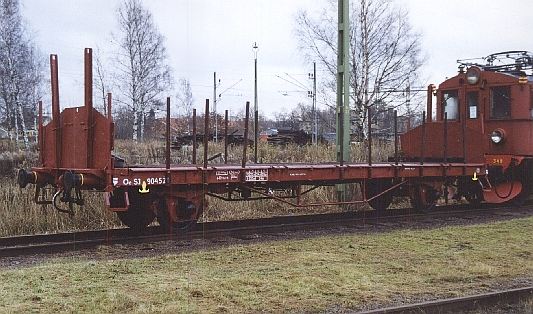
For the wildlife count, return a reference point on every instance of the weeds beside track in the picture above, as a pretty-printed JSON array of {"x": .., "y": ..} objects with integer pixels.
[
  {"x": 397, "y": 219},
  {"x": 20, "y": 215}
]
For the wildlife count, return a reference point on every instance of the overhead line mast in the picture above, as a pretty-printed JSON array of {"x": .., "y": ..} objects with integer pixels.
[{"x": 343, "y": 89}]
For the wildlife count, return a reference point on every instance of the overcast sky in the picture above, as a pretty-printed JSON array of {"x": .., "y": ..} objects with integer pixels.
[{"x": 204, "y": 36}]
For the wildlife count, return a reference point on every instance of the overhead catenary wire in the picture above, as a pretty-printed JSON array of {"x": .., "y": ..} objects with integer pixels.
[
  {"x": 300, "y": 83},
  {"x": 304, "y": 88}
]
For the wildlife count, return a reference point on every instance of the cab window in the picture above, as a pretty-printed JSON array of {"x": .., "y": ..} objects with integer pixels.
[
  {"x": 450, "y": 105},
  {"x": 500, "y": 102},
  {"x": 472, "y": 104}
]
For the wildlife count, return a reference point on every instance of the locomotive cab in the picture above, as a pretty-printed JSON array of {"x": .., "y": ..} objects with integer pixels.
[
  {"x": 483, "y": 114},
  {"x": 497, "y": 105}
]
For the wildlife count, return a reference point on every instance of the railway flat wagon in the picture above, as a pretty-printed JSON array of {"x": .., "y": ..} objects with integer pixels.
[{"x": 76, "y": 154}]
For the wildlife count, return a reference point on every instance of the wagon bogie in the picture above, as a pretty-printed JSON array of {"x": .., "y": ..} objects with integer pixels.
[
  {"x": 378, "y": 193},
  {"x": 136, "y": 210},
  {"x": 176, "y": 214}
]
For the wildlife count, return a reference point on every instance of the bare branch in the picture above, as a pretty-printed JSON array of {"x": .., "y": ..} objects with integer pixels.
[
  {"x": 385, "y": 52},
  {"x": 142, "y": 67}
]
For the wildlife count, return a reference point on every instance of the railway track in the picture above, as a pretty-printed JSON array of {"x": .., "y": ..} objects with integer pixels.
[
  {"x": 479, "y": 302},
  {"x": 74, "y": 241}
]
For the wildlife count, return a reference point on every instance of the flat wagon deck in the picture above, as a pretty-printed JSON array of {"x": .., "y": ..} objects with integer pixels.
[{"x": 279, "y": 173}]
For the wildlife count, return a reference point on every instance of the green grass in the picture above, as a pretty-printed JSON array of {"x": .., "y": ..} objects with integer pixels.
[{"x": 298, "y": 275}]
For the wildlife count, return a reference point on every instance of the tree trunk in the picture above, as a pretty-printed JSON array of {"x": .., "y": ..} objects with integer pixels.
[
  {"x": 135, "y": 124},
  {"x": 9, "y": 115},
  {"x": 36, "y": 128},
  {"x": 16, "y": 116},
  {"x": 20, "y": 111},
  {"x": 141, "y": 119}
]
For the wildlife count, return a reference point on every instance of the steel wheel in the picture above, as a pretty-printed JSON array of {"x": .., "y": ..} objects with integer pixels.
[
  {"x": 140, "y": 214},
  {"x": 187, "y": 214},
  {"x": 423, "y": 197},
  {"x": 471, "y": 190},
  {"x": 375, "y": 187},
  {"x": 136, "y": 218},
  {"x": 475, "y": 195}
]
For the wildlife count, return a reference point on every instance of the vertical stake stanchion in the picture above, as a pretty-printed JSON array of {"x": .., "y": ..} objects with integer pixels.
[
  {"x": 109, "y": 97},
  {"x": 430, "y": 103},
  {"x": 445, "y": 156},
  {"x": 369, "y": 136},
  {"x": 110, "y": 121},
  {"x": 55, "y": 109},
  {"x": 206, "y": 148},
  {"x": 206, "y": 151},
  {"x": 226, "y": 137},
  {"x": 194, "y": 136},
  {"x": 463, "y": 124},
  {"x": 167, "y": 138},
  {"x": 369, "y": 142},
  {"x": 423, "y": 144},
  {"x": 88, "y": 89},
  {"x": 256, "y": 106},
  {"x": 445, "y": 137},
  {"x": 396, "y": 137},
  {"x": 256, "y": 134},
  {"x": 40, "y": 133},
  {"x": 245, "y": 144},
  {"x": 206, "y": 131},
  {"x": 215, "y": 138}
]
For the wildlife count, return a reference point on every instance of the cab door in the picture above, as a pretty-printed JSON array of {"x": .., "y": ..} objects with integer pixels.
[{"x": 472, "y": 111}]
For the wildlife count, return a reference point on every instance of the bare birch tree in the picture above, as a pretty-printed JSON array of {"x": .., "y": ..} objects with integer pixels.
[
  {"x": 102, "y": 82},
  {"x": 185, "y": 100},
  {"x": 142, "y": 70},
  {"x": 385, "y": 53},
  {"x": 20, "y": 73}
]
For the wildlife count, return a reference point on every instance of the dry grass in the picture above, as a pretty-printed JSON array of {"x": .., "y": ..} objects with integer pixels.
[
  {"x": 11, "y": 160},
  {"x": 20, "y": 215},
  {"x": 153, "y": 152},
  {"x": 323, "y": 274},
  {"x": 222, "y": 210}
]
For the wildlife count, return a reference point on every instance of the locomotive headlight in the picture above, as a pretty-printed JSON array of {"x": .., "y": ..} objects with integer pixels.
[
  {"x": 472, "y": 75},
  {"x": 497, "y": 136}
]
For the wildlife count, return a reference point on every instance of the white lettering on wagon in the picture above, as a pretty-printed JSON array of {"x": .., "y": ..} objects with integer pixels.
[
  {"x": 227, "y": 175},
  {"x": 156, "y": 181},
  {"x": 299, "y": 174},
  {"x": 256, "y": 175},
  {"x": 115, "y": 181},
  {"x": 150, "y": 181}
]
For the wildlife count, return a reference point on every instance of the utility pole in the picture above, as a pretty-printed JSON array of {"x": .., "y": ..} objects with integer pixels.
[
  {"x": 343, "y": 89},
  {"x": 408, "y": 103},
  {"x": 256, "y": 110},
  {"x": 314, "y": 123},
  {"x": 215, "y": 105},
  {"x": 315, "y": 117}
]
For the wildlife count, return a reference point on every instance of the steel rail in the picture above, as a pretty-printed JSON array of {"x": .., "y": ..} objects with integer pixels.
[
  {"x": 73, "y": 241},
  {"x": 460, "y": 304}
]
